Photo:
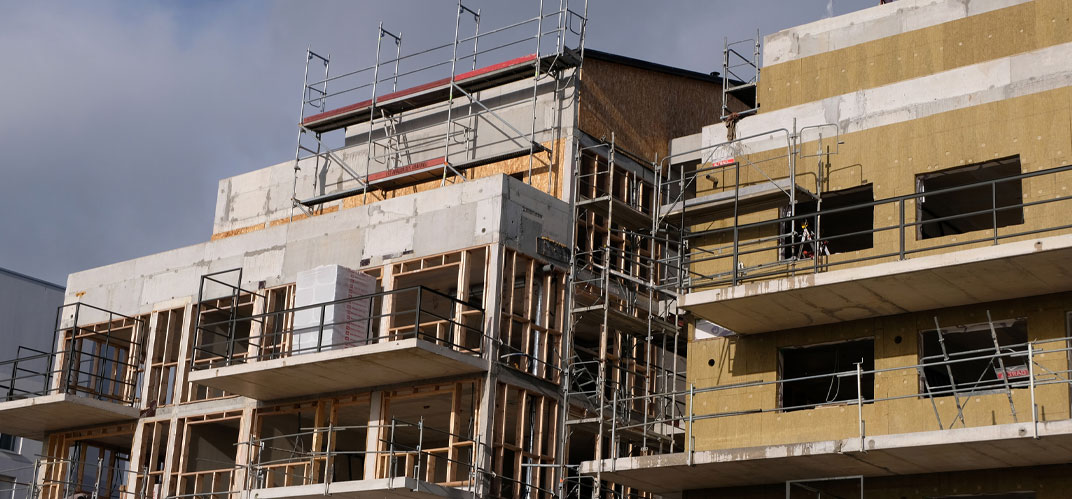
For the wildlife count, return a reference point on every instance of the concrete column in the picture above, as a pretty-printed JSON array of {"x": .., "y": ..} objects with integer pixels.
[{"x": 485, "y": 428}]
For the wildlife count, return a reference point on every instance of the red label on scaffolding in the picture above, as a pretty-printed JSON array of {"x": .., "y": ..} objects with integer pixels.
[
  {"x": 723, "y": 162},
  {"x": 1013, "y": 372}
]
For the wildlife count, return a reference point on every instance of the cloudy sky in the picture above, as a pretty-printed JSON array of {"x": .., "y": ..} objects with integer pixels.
[{"x": 117, "y": 119}]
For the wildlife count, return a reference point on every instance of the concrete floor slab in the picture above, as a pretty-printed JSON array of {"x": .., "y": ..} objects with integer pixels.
[
  {"x": 999, "y": 446},
  {"x": 341, "y": 369},
  {"x": 34, "y": 417},
  {"x": 1006, "y": 271}
]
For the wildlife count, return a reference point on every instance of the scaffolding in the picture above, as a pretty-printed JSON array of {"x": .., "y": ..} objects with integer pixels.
[
  {"x": 624, "y": 335},
  {"x": 740, "y": 76},
  {"x": 442, "y": 110}
]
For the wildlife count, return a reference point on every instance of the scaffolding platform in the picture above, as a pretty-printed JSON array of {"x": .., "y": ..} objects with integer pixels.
[
  {"x": 623, "y": 213},
  {"x": 436, "y": 91},
  {"x": 34, "y": 417},
  {"x": 758, "y": 196}
]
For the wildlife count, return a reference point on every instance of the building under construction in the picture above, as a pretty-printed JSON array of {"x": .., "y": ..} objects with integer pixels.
[{"x": 511, "y": 266}]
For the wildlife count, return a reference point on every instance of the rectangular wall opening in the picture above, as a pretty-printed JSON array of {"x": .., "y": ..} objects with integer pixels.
[
  {"x": 974, "y": 358},
  {"x": 939, "y": 212},
  {"x": 819, "y": 360},
  {"x": 836, "y": 231}
]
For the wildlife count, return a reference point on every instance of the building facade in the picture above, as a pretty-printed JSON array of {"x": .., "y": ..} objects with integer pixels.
[
  {"x": 401, "y": 310},
  {"x": 876, "y": 265}
]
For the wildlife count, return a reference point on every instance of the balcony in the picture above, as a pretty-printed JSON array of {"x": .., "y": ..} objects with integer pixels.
[
  {"x": 407, "y": 459},
  {"x": 767, "y": 276},
  {"x": 741, "y": 434},
  {"x": 384, "y": 338},
  {"x": 92, "y": 380}
]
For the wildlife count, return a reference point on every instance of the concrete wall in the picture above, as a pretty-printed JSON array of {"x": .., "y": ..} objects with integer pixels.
[
  {"x": 484, "y": 211},
  {"x": 28, "y": 310}
]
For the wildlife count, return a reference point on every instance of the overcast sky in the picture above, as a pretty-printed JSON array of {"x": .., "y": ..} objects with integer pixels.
[{"x": 117, "y": 119}]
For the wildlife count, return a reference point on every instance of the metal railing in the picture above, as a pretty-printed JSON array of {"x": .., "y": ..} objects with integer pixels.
[
  {"x": 411, "y": 312},
  {"x": 1041, "y": 364},
  {"x": 405, "y": 449},
  {"x": 95, "y": 362},
  {"x": 784, "y": 248},
  {"x": 61, "y": 478}
]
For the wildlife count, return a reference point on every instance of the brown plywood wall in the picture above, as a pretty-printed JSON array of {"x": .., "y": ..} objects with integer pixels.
[{"x": 644, "y": 108}]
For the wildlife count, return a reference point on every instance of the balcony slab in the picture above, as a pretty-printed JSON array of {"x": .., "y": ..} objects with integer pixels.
[
  {"x": 341, "y": 369},
  {"x": 1005, "y": 271}
]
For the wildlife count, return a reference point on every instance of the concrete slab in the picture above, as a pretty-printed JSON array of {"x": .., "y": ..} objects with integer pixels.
[
  {"x": 338, "y": 370},
  {"x": 34, "y": 417},
  {"x": 362, "y": 489},
  {"x": 1002, "y": 272},
  {"x": 999, "y": 446}
]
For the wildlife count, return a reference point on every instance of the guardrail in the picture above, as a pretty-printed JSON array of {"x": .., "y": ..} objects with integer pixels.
[
  {"x": 743, "y": 258},
  {"x": 89, "y": 366},
  {"x": 412, "y": 312},
  {"x": 1025, "y": 378}
]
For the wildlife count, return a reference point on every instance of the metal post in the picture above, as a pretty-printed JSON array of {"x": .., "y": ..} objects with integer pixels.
[
  {"x": 329, "y": 462},
  {"x": 391, "y": 449},
  {"x": 901, "y": 229},
  {"x": 450, "y": 94},
  {"x": 96, "y": 485},
  {"x": 949, "y": 372},
  {"x": 1001, "y": 365},
  {"x": 145, "y": 482},
  {"x": 690, "y": 439},
  {"x": 1031, "y": 385},
  {"x": 860, "y": 403},
  {"x": 372, "y": 103},
  {"x": 994, "y": 211},
  {"x": 320, "y": 333},
  {"x": 736, "y": 214},
  {"x": 535, "y": 87},
  {"x": 420, "y": 445},
  {"x": 417, "y": 312}
]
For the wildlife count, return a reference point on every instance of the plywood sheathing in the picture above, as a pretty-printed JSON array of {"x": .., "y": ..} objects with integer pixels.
[
  {"x": 644, "y": 108},
  {"x": 912, "y": 54}
]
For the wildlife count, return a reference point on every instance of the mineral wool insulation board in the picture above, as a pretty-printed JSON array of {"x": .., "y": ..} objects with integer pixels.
[{"x": 345, "y": 323}]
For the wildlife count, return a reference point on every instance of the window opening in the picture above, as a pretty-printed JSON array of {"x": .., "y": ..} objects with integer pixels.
[
  {"x": 970, "y": 348},
  {"x": 935, "y": 210},
  {"x": 815, "y": 361},
  {"x": 837, "y": 231}
]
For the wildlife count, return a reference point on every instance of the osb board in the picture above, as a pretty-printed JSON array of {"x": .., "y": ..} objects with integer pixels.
[
  {"x": 753, "y": 358},
  {"x": 1048, "y": 482},
  {"x": 644, "y": 108},
  {"x": 545, "y": 177},
  {"x": 1037, "y": 127},
  {"x": 1000, "y": 33}
]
